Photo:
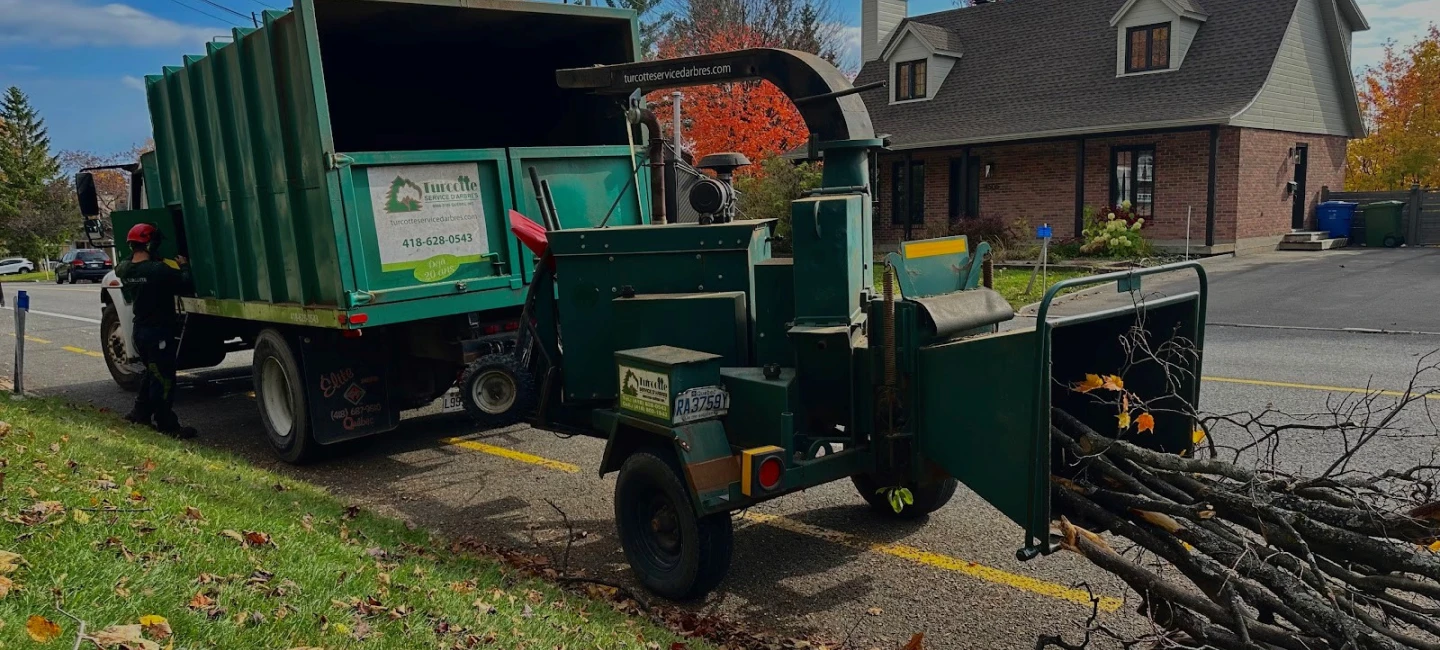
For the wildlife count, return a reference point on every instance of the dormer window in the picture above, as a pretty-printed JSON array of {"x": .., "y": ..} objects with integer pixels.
[
  {"x": 1147, "y": 48},
  {"x": 910, "y": 80}
]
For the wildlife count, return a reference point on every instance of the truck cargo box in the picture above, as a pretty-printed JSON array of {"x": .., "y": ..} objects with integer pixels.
[{"x": 352, "y": 157}]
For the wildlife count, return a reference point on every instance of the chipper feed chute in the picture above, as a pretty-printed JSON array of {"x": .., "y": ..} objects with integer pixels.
[{"x": 722, "y": 377}]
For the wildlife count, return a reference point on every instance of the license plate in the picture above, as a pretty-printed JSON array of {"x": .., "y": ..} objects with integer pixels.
[
  {"x": 450, "y": 402},
  {"x": 701, "y": 403}
]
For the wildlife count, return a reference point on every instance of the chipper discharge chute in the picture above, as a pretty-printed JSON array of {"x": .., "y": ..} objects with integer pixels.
[{"x": 722, "y": 376}]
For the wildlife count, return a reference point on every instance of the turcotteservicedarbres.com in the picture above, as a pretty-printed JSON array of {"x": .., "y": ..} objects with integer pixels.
[{"x": 681, "y": 73}]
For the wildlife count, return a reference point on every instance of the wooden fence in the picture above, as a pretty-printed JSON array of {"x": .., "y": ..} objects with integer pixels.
[{"x": 1422, "y": 210}]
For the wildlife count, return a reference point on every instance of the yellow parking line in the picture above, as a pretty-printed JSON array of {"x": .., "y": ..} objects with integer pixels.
[
  {"x": 909, "y": 553},
  {"x": 513, "y": 455},
  {"x": 1328, "y": 389},
  {"x": 32, "y": 339},
  {"x": 88, "y": 353},
  {"x": 938, "y": 561}
]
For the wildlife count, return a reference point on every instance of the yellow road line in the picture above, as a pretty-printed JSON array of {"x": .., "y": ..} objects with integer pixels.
[
  {"x": 88, "y": 353},
  {"x": 910, "y": 553},
  {"x": 1328, "y": 389},
  {"x": 513, "y": 455},
  {"x": 938, "y": 561},
  {"x": 32, "y": 339}
]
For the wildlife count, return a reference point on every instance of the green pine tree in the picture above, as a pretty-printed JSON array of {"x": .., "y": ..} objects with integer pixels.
[{"x": 26, "y": 165}]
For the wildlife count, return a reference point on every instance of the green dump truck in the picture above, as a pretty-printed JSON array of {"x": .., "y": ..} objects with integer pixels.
[{"x": 340, "y": 177}]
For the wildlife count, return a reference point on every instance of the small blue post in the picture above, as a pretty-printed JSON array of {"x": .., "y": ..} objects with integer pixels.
[{"x": 22, "y": 306}]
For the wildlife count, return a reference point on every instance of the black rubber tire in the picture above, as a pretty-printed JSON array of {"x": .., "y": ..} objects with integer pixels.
[
  {"x": 928, "y": 498},
  {"x": 295, "y": 443},
  {"x": 109, "y": 321},
  {"x": 58, "y": 279},
  {"x": 1392, "y": 241},
  {"x": 704, "y": 544},
  {"x": 506, "y": 367}
]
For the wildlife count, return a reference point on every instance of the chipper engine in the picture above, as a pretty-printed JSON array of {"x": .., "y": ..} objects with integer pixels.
[{"x": 723, "y": 376}]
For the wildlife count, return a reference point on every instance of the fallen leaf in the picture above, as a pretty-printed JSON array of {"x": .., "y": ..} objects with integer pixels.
[
  {"x": 147, "y": 466},
  {"x": 307, "y": 522},
  {"x": 54, "y": 447},
  {"x": 351, "y": 512},
  {"x": 1124, "y": 420},
  {"x": 1197, "y": 436},
  {"x": 1145, "y": 423},
  {"x": 80, "y": 516},
  {"x": 136, "y": 496},
  {"x": 1113, "y": 382},
  {"x": 233, "y": 534},
  {"x": 41, "y": 629},
  {"x": 257, "y": 538},
  {"x": 1435, "y": 548},
  {"x": 156, "y": 626},
  {"x": 679, "y": 646},
  {"x": 917, "y": 642},
  {"x": 874, "y": 611},
  {"x": 123, "y": 637},
  {"x": 1090, "y": 383},
  {"x": 527, "y": 612},
  {"x": 200, "y": 601},
  {"x": 6, "y": 585},
  {"x": 484, "y": 607},
  {"x": 9, "y": 561},
  {"x": 192, "y": 513}
]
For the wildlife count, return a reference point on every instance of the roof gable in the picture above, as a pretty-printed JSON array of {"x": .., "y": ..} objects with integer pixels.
[
  {"x": 1184, "y": 8},
  {"x": 935, "y": 38},
  {"x": 1046, "y": 68}
]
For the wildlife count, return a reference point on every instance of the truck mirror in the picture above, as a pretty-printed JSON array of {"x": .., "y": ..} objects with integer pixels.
[{"x": 85, "y": 192}]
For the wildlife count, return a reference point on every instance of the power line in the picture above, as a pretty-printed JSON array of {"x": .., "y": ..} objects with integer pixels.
[
  {"x": 206, "y": 13},
  {"x": 264, "y": 4},
  {"x": 225, "y": 8}
]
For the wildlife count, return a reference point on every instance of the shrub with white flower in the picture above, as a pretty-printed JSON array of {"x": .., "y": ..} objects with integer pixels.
[{"x": 1113, "y": 230}]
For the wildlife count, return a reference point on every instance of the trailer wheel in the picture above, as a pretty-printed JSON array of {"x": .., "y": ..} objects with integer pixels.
[
  {"x": 497, "y": 390},
  {"x": 112, "y": 340},
  {"x": 674, "y": 552},
  {"x": 928, "y": 498},
  {"x": 280, "y": 394}
]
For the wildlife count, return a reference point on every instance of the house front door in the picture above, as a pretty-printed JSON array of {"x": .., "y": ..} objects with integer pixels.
[{"x": 1297, "y": 210}]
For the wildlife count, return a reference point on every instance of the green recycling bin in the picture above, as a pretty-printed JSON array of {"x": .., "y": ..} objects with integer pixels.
[{"x": 1384, "y": 223}]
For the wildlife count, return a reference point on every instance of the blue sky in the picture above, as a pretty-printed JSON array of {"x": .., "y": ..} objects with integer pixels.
[{"x": 81, "y": 61}]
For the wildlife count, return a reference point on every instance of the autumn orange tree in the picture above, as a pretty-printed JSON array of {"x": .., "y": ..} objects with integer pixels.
[
  {"x": 1401, "y": 101},
  {"x": 751, "y": 117}
]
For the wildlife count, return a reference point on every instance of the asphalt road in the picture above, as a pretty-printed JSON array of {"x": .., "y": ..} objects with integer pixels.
[{"x": 818, "y": 561}]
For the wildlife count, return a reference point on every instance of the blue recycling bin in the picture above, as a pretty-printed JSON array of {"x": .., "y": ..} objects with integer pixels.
[{"x": 1335, "y": 217}]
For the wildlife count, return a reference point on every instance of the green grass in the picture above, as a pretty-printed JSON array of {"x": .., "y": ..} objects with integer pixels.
[
  {"x": 116, "y": 522},
  {"x": 1011, "y": 283},
  {"x": 37, "y": 276}
]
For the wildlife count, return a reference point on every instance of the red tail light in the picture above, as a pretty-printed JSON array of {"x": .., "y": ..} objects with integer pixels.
[
  {"x": 108, "y": 263},
  {"x": 770, "y": 471},
  {"x": 77, "y": 262},
  {"x": 511, "y": 326},
  {"x": 492, "y": 329}
]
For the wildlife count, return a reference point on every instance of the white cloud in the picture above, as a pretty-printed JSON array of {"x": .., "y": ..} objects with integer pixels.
[
  {"x": 849, "y": 37},
  {"x": 1402, "y": 21},
  {"x": 133, "y": 82},
  {"x": 74, "y": 23}
]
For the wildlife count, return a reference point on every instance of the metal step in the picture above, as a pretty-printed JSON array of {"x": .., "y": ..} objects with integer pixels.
[{"x": 1318, "y": 245}]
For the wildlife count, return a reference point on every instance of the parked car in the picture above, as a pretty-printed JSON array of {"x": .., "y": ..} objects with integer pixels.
[
  {"x": 84, "y": 264},
  {"x": 13, "y": 265}
]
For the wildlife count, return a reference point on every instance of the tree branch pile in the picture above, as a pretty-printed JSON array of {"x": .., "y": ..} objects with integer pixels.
[{"x": 1242, "y": 555}]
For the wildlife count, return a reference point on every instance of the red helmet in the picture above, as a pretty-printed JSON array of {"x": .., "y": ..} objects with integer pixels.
[{"x": 142, "y": 233}]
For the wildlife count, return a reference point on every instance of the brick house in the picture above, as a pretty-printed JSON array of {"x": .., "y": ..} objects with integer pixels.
[{"x": 1231, "y": 112}]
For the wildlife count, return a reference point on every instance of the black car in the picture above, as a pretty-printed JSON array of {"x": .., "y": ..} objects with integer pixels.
[{"x": 85, "y": 264}]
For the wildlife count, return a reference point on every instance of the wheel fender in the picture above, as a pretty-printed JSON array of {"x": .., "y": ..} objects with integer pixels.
[
  {"x": 712, "y": 471},
  {"x": 110, "y": 294}
]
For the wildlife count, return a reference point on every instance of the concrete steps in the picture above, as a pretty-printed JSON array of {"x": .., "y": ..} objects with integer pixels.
[{"x": 1311, "y": 240}]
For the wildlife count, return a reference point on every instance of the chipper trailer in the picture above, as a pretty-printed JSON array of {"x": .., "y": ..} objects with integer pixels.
[
  {"x": 724, "y": 376},
  {"x": 340, "y": 178}
]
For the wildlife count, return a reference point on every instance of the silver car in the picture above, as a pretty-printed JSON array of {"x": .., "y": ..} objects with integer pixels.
[{"x": 14, "y": 265}]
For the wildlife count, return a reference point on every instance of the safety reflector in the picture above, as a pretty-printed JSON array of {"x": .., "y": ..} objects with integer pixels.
[{"x": 762, "y": 470}]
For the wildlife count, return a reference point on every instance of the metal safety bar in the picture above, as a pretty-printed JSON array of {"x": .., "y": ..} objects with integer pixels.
[{"x": 1124, "y": 281}]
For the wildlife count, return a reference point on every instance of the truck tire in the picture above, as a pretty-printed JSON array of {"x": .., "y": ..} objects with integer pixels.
[
  {"x": 280, "y": 395},
  {"x": 928, "y": 498},
  {"x": 497, "y": 390},
  {"x": 112, "y": 340},
  {"x": 673, "y": 552}
]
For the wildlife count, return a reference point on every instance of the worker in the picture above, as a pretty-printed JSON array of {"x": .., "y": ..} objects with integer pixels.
[{"x": 151, "y": 285}]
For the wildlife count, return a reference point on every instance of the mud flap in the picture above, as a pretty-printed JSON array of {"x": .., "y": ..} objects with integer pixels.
[{"x": 346, "y": 387}]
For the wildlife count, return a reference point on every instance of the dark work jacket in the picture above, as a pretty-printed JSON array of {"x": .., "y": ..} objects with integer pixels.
[{"x": 151, "y": 287}]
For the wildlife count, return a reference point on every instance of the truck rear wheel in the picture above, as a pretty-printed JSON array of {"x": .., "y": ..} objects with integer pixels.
[
  {"x": 928, "y": 498},
  {"x": 674, "y": 552},
  {"x": 280, "y": 394},
  {"x": 497, "y": 390},
  {"x": 112, "y": 340}
]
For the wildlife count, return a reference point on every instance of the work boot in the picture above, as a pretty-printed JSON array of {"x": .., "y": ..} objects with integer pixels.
[{"x": 136, "y": 417}]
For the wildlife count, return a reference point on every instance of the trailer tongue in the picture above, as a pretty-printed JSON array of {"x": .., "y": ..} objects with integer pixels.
[{"x": 724, "y": 377}]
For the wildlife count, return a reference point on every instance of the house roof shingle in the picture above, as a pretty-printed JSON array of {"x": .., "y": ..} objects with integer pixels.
[
  {"x": 939, "y": 38},
  {"x": 1034, "y": 68}
]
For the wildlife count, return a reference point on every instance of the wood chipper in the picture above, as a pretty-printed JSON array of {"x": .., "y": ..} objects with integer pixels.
[{"x": 722, "y": 377}]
